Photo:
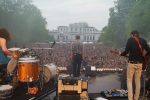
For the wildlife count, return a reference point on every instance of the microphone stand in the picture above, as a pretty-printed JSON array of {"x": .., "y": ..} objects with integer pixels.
[{"x": 42, "y": 72}]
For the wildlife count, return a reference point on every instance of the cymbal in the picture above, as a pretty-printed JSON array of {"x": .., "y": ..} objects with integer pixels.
[
  {"x": 43, "y": 48},
  {"x": 13, "y": 49}
]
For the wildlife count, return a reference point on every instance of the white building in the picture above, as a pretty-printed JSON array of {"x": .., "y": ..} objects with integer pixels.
[{"x": 68, "y": 33}]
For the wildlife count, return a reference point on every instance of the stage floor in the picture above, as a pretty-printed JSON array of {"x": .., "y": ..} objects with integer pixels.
[{"x": 96, "y": 85}]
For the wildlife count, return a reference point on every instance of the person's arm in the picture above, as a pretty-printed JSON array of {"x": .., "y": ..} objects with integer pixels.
[
  {"x": 4, "y": 48},
  {"x": 127, "y": 48}
]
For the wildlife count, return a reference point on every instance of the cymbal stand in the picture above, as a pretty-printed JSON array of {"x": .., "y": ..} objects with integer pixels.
[
  {"x": 42, "y": 72},
  {"x": 41, "y": 78},
  {"x": 42, "y": 62}
]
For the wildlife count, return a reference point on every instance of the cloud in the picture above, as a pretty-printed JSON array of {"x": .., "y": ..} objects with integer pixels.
[{"x": 64, "y": 12}]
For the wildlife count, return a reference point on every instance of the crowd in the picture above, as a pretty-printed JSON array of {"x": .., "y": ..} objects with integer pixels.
[{"x": 93, "y": 54}]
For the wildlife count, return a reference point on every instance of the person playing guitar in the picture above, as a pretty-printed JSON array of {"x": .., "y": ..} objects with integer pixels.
[{"x": 137, "y": 48}]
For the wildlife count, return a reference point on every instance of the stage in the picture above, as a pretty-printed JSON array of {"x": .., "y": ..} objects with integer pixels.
[{"x": 96, "y": 84}]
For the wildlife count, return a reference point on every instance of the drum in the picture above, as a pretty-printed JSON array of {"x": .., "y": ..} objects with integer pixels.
[
  {"x": 11, "y": 66},
  {"x": 6, "y": 91},
  {"x": 27, "y": 58},
  {"x": 24, "y": 50},
  {"x": 49, "y": 71},
  {"x": 28, "y": 70},
  {"x": 15, "y": 52}
]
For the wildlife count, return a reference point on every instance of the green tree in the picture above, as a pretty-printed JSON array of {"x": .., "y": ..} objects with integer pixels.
[
  {"x": 116, "y": 32},
  {"x": 23, "y": 20},
  {"x": 139, "y": 18}
]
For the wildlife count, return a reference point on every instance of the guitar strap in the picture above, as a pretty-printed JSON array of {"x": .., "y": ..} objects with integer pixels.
[
  {"x": 141, "y": 49},
  {"x": 139, "y": 45}
]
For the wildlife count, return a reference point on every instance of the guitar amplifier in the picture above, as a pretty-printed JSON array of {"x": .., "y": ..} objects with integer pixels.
[{"x": 90, "y": 71}]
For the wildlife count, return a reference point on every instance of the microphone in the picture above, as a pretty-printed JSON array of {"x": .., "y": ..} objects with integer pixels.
[
  {"x": 50, "y": 52},
  {"x": 53, "y": 44}
]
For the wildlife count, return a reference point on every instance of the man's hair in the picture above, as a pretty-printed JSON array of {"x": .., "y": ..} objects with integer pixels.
[
  {"x": 77, "y": 37},
  {"x": 4, "y": 34},
  {"x": 135, "y": 32}
]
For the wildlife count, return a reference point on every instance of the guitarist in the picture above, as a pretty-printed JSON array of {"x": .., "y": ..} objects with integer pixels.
[{"x": 135, "y": 47}]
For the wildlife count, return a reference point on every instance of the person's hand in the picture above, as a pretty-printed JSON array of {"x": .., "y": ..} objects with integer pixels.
[
  {"x": 119, "y": 52},
  {"x": 12, "y": 57}
]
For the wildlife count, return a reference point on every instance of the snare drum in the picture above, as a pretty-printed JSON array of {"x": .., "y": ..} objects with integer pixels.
[
  {"x": 15, "y": 52},
  {"x": 27, "y": 58},
  {"x": 49, "y": 71},
  {"x": 6, "y": 91},
  {"x": 28, "y": 70}
]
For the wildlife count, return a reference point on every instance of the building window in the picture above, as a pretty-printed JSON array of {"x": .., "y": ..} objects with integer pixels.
[
  {"x": 85, "y": 38},
  {"x": 75, "y": 29},
  {"x": 90, "y": 37},
  {"x": 66, "y": 37},
  {"x": 71, "y": 29},
  {"x": 80, "y": 30},
  {"x": 58, "y": 37},
  {"x": 93, "y": 37}
]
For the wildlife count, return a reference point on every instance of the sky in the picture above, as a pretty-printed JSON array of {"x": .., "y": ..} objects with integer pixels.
[{"x": 65, "y": 12}]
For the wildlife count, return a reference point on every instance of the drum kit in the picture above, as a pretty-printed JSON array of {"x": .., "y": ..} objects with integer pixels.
[
  {"x": 6, "y": 91},
  {"x": 25, "y": 68}
]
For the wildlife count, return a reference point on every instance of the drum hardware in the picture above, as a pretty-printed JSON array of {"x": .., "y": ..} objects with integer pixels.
[
  {"x": 33, "y": 90},
  {"x": 6, "y": 91},
  {"x": 42, "y": 48},
  {"x": 24, "y": 50},
  {"x": 42, "y": 76},
  {"x": 15, "y": 52},
  {"x": 14, "y": 81},
  {"x": 32, "y": 56}
]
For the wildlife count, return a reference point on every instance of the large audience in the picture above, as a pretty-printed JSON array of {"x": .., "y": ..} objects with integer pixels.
[{"x": 94, "y": 54}]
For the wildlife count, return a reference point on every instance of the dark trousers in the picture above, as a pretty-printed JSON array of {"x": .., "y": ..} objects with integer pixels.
[
  {"x": 3, "y": 73},
  {"x": 77, "y": 59},
  {"x": 148, "y": 85}
]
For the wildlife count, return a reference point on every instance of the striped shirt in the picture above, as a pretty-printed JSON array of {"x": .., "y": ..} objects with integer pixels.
[{"x": 77, "y": 47}]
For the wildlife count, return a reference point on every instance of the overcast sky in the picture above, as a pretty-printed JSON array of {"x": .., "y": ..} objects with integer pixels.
[{"x": 64, "y": 12}]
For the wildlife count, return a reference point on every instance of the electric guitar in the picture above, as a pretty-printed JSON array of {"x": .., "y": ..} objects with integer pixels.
[{"x": 144, "y": 64}]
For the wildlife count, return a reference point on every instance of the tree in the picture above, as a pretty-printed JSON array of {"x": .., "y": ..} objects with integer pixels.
[
  {"x": 23, "y": 20},
  {"x": 116, "y": 30},
  {"x": 139, "y": 18}
]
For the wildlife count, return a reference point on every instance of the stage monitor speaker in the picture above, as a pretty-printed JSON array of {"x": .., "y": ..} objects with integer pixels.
[{"x": 90, "y": 71}]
